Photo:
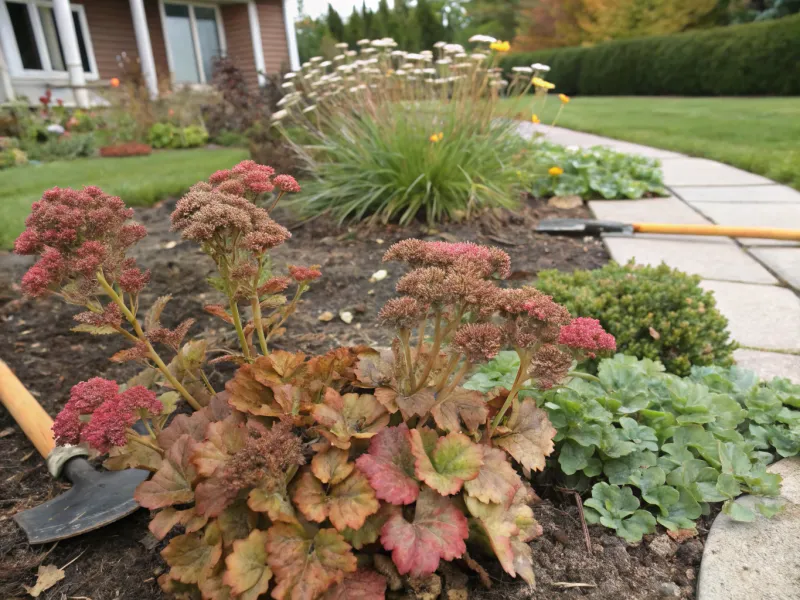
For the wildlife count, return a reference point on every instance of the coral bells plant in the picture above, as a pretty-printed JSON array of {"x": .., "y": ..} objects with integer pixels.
[{"x": 331, "y": 476}]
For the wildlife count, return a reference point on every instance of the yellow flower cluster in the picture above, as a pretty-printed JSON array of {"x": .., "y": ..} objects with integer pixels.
[
  {"x": 437, "y": 137},
  {"x": 499, "y": 46},
  {"x": 535, "y": 119},
  {"x": 541, "y": 83},
  {"x": 564, "y": 98},
  {"x": 555, "y": 171}
]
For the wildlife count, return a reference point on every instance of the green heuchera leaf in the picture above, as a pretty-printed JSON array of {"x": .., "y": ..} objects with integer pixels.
[
  {"x": 573, "y": 457},
  {"x": 647, "y": 479},
  {"x": 680, "y": 513},
  {"x": 618, "y": 509},
  {"x": 738, "y": 511},
  {"x": 699, "y": 479},
  {"x": 642, "y": 436},
  {"x": 620, "y": 470}
]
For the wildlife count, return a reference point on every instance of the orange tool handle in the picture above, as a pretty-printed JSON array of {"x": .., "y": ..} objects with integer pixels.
[
  {"x": 27, "y": 412},
  {"x": 771, "y": 233}
]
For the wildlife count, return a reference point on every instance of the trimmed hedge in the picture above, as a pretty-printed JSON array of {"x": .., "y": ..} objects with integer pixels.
[{"x": 761, "y": 58}]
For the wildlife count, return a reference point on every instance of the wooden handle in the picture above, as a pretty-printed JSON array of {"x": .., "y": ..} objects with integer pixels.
[
  {"x": 771, "y": 233},
  {"x": 27, "y": 412}
]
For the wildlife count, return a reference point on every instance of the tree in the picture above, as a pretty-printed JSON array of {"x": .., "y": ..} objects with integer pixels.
[
  {"x": 335, "y": 24},
  {"x": 499, "y": 18},
  {"x": 354, "y": 28},
  {"x": 549, "y": 24},
  {"x": 382, "y": 22},
  {"x": 367, "y": 15},
  {"x": 429, "y": 24}
]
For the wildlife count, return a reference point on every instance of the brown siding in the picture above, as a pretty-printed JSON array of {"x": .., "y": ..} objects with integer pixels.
[
  {"x": 273, "y": 35},
  {"x": 111, "y": 30},
  {"x": 157, "y": 40},
  {"x": 240, "y": 45}
]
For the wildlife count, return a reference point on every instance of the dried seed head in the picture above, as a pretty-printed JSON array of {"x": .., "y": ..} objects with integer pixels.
[
  {"x": 402, "y": 313},
  {"x": 479, "y": 341},
  {"x": 549, "y": 366}
]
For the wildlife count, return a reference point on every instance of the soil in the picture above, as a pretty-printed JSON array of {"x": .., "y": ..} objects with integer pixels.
[{"x": 119, "y": 561}]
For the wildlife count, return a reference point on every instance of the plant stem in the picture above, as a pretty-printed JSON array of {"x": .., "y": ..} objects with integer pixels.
[
  {"x": 586, "y": 376},
  {"x": 524, "y": 361},
  {"x": 404, "y": 335},
  {"x": 434, "y": 351},
  {"x": 135, "y": 437},
  {"x": 209, "y": 387},
  {"x": 237, "y": 323},
  {"x": 262, "y": 340},
  {"x": 141, "y": 337}
]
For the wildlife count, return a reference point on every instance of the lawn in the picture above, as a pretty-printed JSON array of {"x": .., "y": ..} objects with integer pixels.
[
  {"x": 756, "y": 134},
  {"x": 140, "y": 180}
]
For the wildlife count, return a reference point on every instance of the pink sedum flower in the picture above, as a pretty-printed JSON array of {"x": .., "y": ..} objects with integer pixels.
[
  {"x": 587, "y": 335},
  {"x": 139, "y": 398},
  {"x": 286, "y": 183},
  {"x": 107, "y": 426},
  {"x": 479, "y": 341},
  {"x": 304, "y": 274}
]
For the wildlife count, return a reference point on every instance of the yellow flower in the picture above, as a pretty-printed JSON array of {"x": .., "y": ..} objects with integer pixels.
[
  {"x": 555, "y": 171},
  {"x": 499, "y": 46},
  {"x": 564, "y": 98},
  {"x": 437, "y": 137},
  {"x": 541, "y": 83},
  {"x": 535, "y": 120}
]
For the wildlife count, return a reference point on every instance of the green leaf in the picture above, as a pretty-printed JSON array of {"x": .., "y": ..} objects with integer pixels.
[
  {"x": 728, "y": 486},
  {"x": 94, "y": 329},
  {"x": 573, "y": 457},
  {"x": 636, "y": 526},
  {"x": 733, "y": 459},
  {"x": 770, "y": 508},
  {"x": 620, "y": 470},
  {"x": 738, "y": 512},
  {"x": 643, "y": 436},
  {"x": 662, "y": 496},
  {"x": 647, "y": 479},
  {"x": 682, "y": 513}
]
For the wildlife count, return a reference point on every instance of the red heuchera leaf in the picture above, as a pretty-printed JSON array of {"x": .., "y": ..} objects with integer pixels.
[
  {"x": 223, "y": 440},
  {"x": 194, "y": 425},
  {"x": 172, "y": 484},
  {"x": 247, "y": 572},
  {"x": 213, "y": 495},
  {"x": 168, "y": 518},
  {"x": 211, "y": 585},
  {"x": 437, "y": 532},
  {"x": 527, "y": 436},
  {"x": 306, "y": 564},
  {"x": 445, "y": 463},
  {"x": 350, "y": 416},
  {"x": 192, "y": 555},
  {"x": 331, "y": 466},
  {"x": 374, "y": 368},
  {"x": 462, "y": 409},
  {"x": 364, "y": 584},
  {"x": 347, "y": 504},
  {"x": 419, "y": 403},
  {"x": 273, "y": 501},
  {"x": 370, "y": 531},
  {"x": 389, "y": 466},
  {"x": 236, "y": 522},
  {"x": 497, "y": 481}
]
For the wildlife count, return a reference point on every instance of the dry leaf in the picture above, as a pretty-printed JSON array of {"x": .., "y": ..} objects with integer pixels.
[
  {"x": 326, "y": 316},
  {"x": 47, "y": 577},
  {"x": 654, "y": 334},
  {"x": 6, "y": 432},
  {"x": 346, "y": 316},
  {"x": 565, "y": 202},
  {"x": 379, "y": 276}
]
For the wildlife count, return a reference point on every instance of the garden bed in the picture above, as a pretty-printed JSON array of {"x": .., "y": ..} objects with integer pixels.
[{"x": 118, "y": 561}]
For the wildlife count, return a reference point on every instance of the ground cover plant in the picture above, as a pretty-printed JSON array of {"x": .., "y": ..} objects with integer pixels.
[
  {"x": 653, "y": 312},
  {"x": 296, "y": 476},
  {"x": 126, "y": 149},
  {"x": 650, "y": 447},
  {"x": 596, "y": 173},
  {"x": 141, "y": 180}
]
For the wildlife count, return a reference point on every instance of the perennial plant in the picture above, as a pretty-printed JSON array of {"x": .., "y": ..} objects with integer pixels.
[{"x": 310, "y": 477}]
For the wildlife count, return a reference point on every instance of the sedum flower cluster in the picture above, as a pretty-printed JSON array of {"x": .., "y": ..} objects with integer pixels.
[{"x": 347, "y": 474}]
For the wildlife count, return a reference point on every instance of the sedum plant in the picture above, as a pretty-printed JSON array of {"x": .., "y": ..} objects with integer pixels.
[{"x": 311, "y": 477}]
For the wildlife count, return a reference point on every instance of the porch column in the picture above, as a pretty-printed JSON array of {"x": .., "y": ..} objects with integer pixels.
[
  {"x": 5, "y": 79},
  {"x": 144, "y": 47},
  {"x": 72, "y": 55},
  {"x": 255, "y": 37},
  {"x": 289, "y": 15}
]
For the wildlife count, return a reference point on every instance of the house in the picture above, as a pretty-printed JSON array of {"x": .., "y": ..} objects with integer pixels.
[{"x": 71, "y": 47}]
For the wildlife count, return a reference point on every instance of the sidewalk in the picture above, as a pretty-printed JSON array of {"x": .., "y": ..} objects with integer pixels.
[{"x": 756, "y": 282}]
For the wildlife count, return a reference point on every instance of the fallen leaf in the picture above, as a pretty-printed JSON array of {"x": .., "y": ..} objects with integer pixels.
[
  {"x": 47, "y": 577},
  {"x": 326, "y": 316},
  {"x": 681, "y": 535},
  {"x": 654, "y": 334},
  {"x": 565, "y": 202},
  {"x": 6, "y": 432},
  {"x": 346, "y": 316},
  {"x": 379, "y": 276}
]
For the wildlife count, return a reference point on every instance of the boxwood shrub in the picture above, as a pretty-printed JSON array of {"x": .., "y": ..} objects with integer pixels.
[
  {"x": 653, "y": 312},
  {"x": 761, "y": 58}
]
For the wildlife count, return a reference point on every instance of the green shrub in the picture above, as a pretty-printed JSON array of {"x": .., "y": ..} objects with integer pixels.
[
  {"x": 653, "y": 312},
  {"x": 654, "y": 447},
  {"x": 760, "y": 58},
  {"x": 596, "y": 173},
  {"x": 167, "y": 135},
  {"x": 60, "y": 147},
  {"x": 229, "y": 138},
  {"x": 10, "y": 153}
]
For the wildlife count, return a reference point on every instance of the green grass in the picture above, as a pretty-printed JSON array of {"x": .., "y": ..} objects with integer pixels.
[
  {"x": 140, "y": 180},
  {"x": 759, "y": 135}
]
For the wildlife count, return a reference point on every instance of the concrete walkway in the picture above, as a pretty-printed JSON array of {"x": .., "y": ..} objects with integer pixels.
[{"x": 756, "y": 282}]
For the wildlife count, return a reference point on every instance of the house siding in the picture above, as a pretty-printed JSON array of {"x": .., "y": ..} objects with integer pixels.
[
  {"x": 111, "y": 30},
  {"x": 273, "y": 35},
  {"x": 240, "y": 44},
  {"x": 157, "y": 40}
]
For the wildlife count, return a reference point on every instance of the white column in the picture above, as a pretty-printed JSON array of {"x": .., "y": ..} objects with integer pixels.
[
  {"x": 289, "y": 14},
  {"x": 72, "y": 55},
  {"x": 258, "y": 46},
  {"x": 5, "y": 79},
  {"x": 144, "y": 47}
]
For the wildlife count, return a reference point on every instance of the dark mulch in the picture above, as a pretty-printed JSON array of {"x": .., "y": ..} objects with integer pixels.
[{"x": 117, "y": 562}]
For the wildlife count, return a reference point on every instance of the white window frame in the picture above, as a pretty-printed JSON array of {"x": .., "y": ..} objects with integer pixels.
[
  {"x": 46, "y": 72},
  {"x": 223, "y": 45}
]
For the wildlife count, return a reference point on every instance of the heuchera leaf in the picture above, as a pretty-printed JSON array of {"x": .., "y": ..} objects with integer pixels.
[
  {"x": 437, "y": 532},
  {"x": 273, "y": 501},
  {"x": 306, "y": 564},
  {"x": 211, "y": 585},
  {"x": 364, "y": 584},
  {"x": 389, "y": 466},
  {"x": 193, "y": 425},
  {"x": 347, "y": 504},
  {"x": 236, "y": 522},
  {"x": 453, "y": 460},
  {"x": 193, "y": 554},
  {"x": 213, "y": 495},
  {"x": 374, "y": 368},
  {"x": 497, "y": 480},
  {"x": 172, "y": 484},
  {"x": 462, "y": 409},
  {"x": 247, "y": 572},
  {"x": 349, "y": 416},
  {"x": 370, "y": 531},
  {"x": 168, "y": 518},
  {"x": 331, "y": 466},
  {"x": 530, "y": 437},
  {"x": 419, "y": 403},
  {"x": 133, "y": 456},
  {"x": 223, "y": 440}
]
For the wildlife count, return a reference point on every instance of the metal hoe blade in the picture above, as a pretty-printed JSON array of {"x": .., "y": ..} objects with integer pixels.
[
  {"x": 95, "y": 499},
  {"x": 582, "y": 227}
]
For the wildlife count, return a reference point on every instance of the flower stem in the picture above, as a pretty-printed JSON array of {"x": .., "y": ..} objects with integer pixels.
[
  {"x": 434, "y": 351},
  {"x": 404, "y": 335},
  {"x": 524, "y": 361},
  {"x": 135, "y": 437},
  {"x": 209, "y": 387},
  {"x": 262, "y": 340},
  {"x": 141, "y": 336},
  {"x": 237, "y": 323},
  {"x": 586, "y": 376}
]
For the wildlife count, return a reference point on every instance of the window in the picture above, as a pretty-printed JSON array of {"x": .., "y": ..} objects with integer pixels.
[
  {"x": 194, "y": 39},
  {"x": 38, "y": 41}
]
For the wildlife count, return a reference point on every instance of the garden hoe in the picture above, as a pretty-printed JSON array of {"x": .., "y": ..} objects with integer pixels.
[
  {"x": 95, "y": 498},
  {"x": 592, "y": 227}
]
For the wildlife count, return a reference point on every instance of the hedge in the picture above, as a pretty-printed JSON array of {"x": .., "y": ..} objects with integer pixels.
[{"x": 761, "y": 58}]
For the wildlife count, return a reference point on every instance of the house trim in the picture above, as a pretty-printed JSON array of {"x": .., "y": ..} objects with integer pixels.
[{"x": 289, "y": 13}]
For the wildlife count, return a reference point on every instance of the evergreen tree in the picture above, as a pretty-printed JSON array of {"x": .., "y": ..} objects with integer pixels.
[
  {"x": 381, "y": 23},
  {"x": 335, "y": 24},
  {"x": 367, "y": 15},
  {"x": 429, "y": 25},
  {"x": 354, "y": 28}
]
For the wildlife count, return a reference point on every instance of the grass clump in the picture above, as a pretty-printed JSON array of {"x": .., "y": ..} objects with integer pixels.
[{"x": 653, "y": 312}]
